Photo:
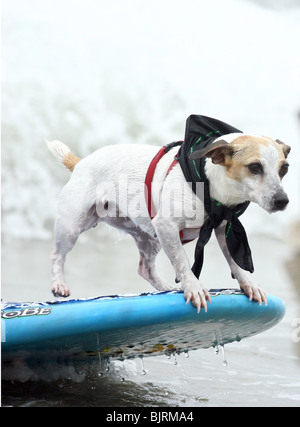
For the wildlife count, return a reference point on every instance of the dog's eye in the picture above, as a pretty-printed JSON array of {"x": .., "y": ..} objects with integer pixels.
[
  {"x": 284, "y": 170},
  {"x": 255, "y": 168}
]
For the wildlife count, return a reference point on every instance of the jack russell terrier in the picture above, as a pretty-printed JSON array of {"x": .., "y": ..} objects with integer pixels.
[{"x": 164, "y": 197}]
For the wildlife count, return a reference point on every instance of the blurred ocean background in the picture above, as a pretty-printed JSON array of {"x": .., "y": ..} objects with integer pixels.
[{"x": 97, "y": 72}]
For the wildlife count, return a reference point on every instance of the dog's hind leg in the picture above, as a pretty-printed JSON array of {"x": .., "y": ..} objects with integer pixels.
[
  {"x": 148, "y": 248},
  {"x": 147, "y": 245},
  {"x": 71, "y": 221}
]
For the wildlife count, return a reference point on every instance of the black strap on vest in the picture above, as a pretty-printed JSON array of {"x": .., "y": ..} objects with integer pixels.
[{"x": 200, "y": 132}]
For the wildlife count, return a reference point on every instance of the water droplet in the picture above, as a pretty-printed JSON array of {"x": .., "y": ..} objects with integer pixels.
[
  {"x": 99, "y": 354},
  {"x": 175, "y": 359},
  {"x": 143, "y": 368},
  {"x": 224, "y": 356}
]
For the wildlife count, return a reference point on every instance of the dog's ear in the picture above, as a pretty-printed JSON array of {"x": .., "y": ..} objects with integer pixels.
[
  {"x": 285, "y": 148},
  {"x": 216, "y": 152}
]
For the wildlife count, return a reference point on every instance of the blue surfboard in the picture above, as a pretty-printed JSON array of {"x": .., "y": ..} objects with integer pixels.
[{"x": 131, "y": 326}]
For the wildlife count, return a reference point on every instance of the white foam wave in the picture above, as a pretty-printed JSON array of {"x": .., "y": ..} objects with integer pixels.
[{"x": 95, "y": 73}]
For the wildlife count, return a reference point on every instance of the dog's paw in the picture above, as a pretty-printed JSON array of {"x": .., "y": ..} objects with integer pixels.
[
  {"x": 197, "y": 295},
  {"x": 61, "y": 290},
  {"x": 254, "y": 293}
]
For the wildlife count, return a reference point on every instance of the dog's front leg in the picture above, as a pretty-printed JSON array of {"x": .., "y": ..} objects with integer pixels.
[
  {"x": 167, "y": 231},
  {"x": 247, "y": 286}
]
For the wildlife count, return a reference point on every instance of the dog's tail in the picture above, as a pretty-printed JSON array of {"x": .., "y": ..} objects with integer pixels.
[{"x": 63, "y": 154}]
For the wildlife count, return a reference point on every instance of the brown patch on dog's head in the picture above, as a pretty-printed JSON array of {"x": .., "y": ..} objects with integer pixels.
[
  {"x": 285, "y": 148},
  {"x": 246, "y": 151},
  {"x": 242, "y": 151}
]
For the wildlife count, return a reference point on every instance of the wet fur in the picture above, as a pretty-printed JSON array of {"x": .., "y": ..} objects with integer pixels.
[{"x": 83, "y": 203}]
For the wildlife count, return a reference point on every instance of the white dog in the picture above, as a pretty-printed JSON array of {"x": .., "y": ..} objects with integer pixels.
[{"x": 108, "y": 185}]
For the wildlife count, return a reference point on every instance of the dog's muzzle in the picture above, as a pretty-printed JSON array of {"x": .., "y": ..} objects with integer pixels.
[{"x": 280, "y": 201}]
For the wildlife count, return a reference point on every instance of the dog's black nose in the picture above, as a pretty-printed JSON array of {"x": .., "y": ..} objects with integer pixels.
[{"x": 280, "y": 202}]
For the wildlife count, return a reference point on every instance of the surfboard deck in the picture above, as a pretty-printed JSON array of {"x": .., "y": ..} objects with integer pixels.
[{"x": 129, "y": 326}]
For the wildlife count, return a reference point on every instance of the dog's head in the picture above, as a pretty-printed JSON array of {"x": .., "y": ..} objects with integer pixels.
[{"x": 255, "y": 164}]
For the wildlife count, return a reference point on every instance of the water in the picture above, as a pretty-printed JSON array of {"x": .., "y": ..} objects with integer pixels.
[
  {"x": 225, "y": 363},
  {"x": 144, "y": 372},
  {"x": 91, "y": 79},
  {"x": 261, "y": 371}
]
